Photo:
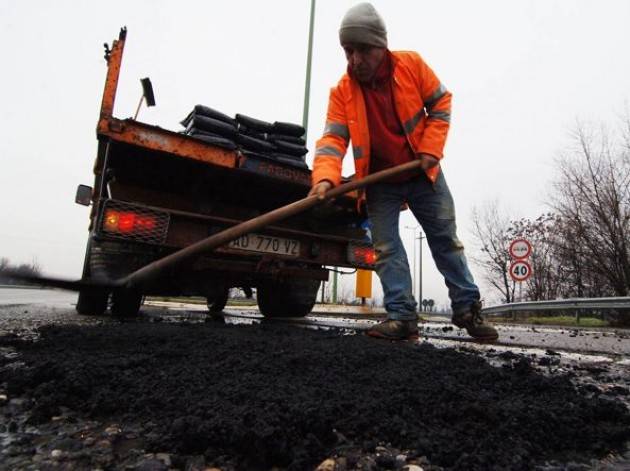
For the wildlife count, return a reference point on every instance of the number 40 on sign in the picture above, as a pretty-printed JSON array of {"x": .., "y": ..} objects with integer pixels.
[{"x": 520, "y": 270}]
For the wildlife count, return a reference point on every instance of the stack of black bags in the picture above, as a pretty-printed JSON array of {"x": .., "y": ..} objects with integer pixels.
[{"x": 281, "y": 142}]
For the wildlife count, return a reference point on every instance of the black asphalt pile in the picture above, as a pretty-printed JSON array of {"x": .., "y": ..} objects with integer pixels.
[
  {"x": 253, "y": 397},
  {"x": 279, "y": 141}
]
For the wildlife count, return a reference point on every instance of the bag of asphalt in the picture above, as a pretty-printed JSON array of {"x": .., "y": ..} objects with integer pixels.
[
  {"x": 213, "y": 139},
  {"x": 289, "y": 129},
  {"x": 202, "y": 110}
]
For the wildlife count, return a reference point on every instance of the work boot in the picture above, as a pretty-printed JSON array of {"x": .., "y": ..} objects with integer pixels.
[
  {"x": 471, "y": 320},
  {"x": 395, "y": 330}
]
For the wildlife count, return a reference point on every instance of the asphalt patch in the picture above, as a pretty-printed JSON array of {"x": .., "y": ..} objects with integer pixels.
[{"x": 253, "y": 397}]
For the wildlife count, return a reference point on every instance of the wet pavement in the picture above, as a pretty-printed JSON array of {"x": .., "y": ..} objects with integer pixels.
[
  {"x": 21, "y": 296},
  {"x": 614, "y": 342},
  {"x": 610, "y": 342}
]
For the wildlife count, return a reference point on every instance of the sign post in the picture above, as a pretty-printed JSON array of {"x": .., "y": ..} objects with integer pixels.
[{"x": 520, "y": 269}]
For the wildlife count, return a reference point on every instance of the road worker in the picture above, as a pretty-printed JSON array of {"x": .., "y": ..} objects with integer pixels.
[{"x": 393, "y": 109}]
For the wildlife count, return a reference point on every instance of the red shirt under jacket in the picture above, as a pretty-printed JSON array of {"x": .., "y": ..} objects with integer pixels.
[{"x": 388, "y": 143}]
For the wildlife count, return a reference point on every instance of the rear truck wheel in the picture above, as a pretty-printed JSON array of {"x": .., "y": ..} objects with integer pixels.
[
  {"x": 288, "y": 298},
  {"x": 217, "y": 302},
  {"x": 92, "y": 302},
  {"x": 126, "y": 303}
]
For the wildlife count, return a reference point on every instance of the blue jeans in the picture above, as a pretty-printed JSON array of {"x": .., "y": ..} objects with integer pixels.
[{"x": 432, "y": 206}]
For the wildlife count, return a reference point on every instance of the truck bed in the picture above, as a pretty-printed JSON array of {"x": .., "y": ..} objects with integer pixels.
[{"x": 159, "y": 167}]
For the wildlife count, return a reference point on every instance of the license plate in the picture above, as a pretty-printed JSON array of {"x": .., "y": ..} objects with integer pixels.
[{"x": 266, "y": 244}]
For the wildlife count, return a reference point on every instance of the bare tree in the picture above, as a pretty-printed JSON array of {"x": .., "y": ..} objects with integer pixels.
[
  {"x": 494, "y": 232},
  {"x": 575, "y": 277},
  {"x": 5, "y": 265},
  {"x": 592, "y": 196},
  {"x": 7, "y": 269},
  {"x": 491, "y": 230}
]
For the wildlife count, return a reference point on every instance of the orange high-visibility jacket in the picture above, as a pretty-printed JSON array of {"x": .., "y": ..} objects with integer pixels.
[{"x": 423, "y": 106}]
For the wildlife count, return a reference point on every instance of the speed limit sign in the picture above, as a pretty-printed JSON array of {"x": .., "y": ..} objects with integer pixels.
[{"x": 520, "y": 270}]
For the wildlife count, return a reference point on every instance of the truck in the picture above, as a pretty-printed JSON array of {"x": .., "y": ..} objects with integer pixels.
[{"x": 157, "y": 191}]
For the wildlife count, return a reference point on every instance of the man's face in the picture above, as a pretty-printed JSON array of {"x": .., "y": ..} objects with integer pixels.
[{"x": 363, "y": 60}]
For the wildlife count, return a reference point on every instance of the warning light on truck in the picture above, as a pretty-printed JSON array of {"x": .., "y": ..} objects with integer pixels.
[
  {"x": 362, "y": 255},
  {"x": 128, "y": 222},
  {"x": 139, "y": 224}
]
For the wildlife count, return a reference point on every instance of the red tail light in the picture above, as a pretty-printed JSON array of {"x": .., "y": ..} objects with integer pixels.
[
  {"x": 146, "y": 223},
  {"x": 362, "y": 255},
  {"x": 127, "y": 222}
]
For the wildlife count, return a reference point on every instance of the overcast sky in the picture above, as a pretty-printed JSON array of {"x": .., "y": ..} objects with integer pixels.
[{"x": 521, "y": 73}]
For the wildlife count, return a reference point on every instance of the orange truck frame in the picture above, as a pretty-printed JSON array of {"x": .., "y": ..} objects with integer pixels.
[{"x": 157, "y": 191}]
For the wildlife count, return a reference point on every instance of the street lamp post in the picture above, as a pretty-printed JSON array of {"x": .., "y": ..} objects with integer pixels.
[
  {"x": 309, "y": 55},
  {"x": 420, "y": 237},
  {"x": 413, "y": 288},
  {"x": 418, "y": 292}
]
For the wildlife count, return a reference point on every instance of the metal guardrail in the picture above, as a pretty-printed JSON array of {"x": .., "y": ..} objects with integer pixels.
[{"x": 559, "y": 304}]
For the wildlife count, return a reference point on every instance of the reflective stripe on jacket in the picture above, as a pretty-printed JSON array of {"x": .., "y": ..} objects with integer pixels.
[{"x": 423, "y": 106}]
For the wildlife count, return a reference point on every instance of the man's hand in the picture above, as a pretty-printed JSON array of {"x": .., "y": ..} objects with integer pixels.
[
  {"x": 320, "y": 189},
  {"x": 428, "y": 161}
]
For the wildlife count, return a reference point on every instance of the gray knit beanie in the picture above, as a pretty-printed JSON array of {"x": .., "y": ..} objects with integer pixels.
[{"x": 363, "y": 25}]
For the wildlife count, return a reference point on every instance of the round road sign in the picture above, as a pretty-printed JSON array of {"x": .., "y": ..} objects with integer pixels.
[
  {"x": 520, "y": 270},
  {"x": 520, "y": 248}
]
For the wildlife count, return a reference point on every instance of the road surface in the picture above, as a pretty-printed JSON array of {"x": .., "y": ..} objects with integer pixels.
[
  {"x": 50, "y": 297},
  {"x": 610, "y": 342},
  {"x": 601, "y": 371}
]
